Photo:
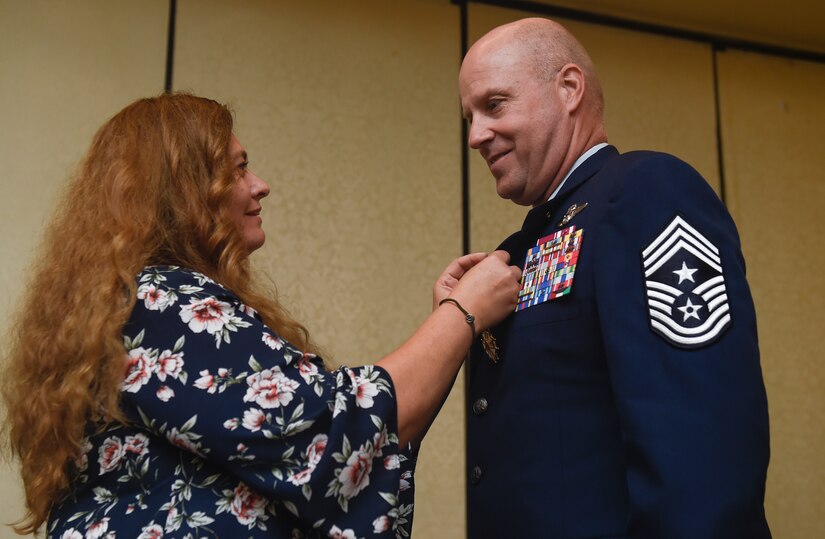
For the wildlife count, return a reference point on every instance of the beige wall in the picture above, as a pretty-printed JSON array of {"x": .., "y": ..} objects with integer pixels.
[
  {"x": 349, "y": 110},
  {"x": 773, "y": 127},
  {"x": 351, "y": 116}
]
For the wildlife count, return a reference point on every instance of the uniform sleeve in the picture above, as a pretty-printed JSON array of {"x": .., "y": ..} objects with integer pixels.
[
  {"x": 208, "y": 375},
  {"x": 681, "y": 344}
]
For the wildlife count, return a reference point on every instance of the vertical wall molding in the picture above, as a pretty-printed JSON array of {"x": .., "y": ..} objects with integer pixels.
[
  {"x": 465, "y": 153},
  {"x": 170, "y": 46},
  {"x": 720, "y": 156}
]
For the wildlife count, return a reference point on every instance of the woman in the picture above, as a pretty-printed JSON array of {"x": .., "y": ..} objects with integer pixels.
[{"x": 183, "y": 402}]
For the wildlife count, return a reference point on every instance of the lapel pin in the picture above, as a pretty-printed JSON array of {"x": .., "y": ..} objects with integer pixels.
[{"x": 571, "y": 212}]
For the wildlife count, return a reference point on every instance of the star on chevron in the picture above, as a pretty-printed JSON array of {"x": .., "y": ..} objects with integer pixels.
[
  {"x": 685, "y": 273},
  {"x": 690, "y": 310}
]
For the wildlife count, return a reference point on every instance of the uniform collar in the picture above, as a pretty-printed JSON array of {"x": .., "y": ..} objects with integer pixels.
[
  {"x": 584, "y": 168},
  {"x": 582, "y": 158}
]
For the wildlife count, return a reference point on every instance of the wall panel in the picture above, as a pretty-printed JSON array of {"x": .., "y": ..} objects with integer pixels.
[
  {"x": 773, "y": 125},
  {"x": 658, "y": 96},
  {"x": 349, "y": 110},
  {"x": 65, "y": 67}
]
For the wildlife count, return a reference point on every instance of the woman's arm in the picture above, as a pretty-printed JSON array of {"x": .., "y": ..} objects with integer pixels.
[{"x": 424, "y": 367}]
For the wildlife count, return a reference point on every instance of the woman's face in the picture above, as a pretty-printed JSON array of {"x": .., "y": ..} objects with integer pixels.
[{"x": 246, "y": 197}]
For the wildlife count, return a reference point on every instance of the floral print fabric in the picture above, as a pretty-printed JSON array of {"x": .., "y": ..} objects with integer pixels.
[{"x": 233, "y": 432}]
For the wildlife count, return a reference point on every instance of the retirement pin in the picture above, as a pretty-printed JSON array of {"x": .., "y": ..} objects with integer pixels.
[{"x": 550, "y": 267}]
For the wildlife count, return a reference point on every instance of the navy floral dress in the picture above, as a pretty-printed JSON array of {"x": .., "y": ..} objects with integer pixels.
[{"x": 235, "y": 433}]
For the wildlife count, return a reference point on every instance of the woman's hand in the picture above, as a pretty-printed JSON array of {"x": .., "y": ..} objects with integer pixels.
[
  {"x": 423, "y": 368},
  {"x": 488, "y": 289},
  {"x": 483, "y": 284},
  {"x": 449, "y": 278}
]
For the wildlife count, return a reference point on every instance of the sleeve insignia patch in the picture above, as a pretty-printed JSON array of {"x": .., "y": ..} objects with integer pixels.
[{"x": 687, "y": 302}]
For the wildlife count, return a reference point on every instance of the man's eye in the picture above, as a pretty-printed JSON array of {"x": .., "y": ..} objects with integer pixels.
[{"x": 493, "y": 104}]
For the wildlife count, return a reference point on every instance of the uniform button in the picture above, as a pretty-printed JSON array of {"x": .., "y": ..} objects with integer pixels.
[
  {"x": 480, "y": 406},
  {"x": 549, "y": 214},
  {"x": 475, "y": 475}
]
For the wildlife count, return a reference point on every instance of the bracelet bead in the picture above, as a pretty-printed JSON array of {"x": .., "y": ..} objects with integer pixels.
[{"x": 469, "y": 318}]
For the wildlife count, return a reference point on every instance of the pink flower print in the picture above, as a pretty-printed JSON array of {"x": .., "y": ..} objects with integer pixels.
[
  {"x": 273, "y": 342},
  {"x": 254, "y": 419},
  {"x": 137, "y": 444},
  {"x": 247, "y": 506},
  {"x": 206, "y": 381},
  {"x": 380, "y": 440},
  {"x": 307, "y": 369},
  {"x": 337, "y": 533},
  {"x": 270, "y": 388},
  {"x": 183, "y": 440},
  {"x": 315, "y": 450},
  {"x": 231, "y": 423},
  {"x": 152, "y": 531},
  {"x": 381, "y": 524},
  {"x": 169, "y": 364},
  {"x": 110, "y": 454},
  {"x": 139, "y": 369},
  {"x": 392, "y": 462},
  {"x": 154, "y": 299},
  {"x": 355, "y": 476},
  {"x": 364, "y": 391},
  {"x": 165, "y": 393},
  {"x": 206, "y": 314},
  {"x": 71, "y": 534},
  {"x": 172, "y": 521},
  {"x": 96, "y": 530},
  {"x": 300, "y": 477}
]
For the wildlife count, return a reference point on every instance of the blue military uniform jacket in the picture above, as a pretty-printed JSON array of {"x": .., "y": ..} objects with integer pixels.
[{"x": 633, "y": 405}]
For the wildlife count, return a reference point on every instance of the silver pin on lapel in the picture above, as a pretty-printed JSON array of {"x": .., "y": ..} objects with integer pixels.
[{"x": 571, "y": 212}]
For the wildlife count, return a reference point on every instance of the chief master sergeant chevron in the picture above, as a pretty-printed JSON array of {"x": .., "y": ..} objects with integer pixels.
[{"x": 624, "y": 398}]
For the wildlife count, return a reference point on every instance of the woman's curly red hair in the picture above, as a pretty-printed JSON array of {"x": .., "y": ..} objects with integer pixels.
[{"x": 153, "y": 189}]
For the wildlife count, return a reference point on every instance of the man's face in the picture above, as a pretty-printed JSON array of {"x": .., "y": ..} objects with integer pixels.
[{"x": 517, "y": 122}]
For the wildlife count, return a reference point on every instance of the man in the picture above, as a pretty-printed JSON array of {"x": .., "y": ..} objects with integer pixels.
[{"x": 624, "y": 397}]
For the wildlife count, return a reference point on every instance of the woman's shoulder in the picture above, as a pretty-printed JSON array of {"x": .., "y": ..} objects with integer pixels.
[
  {"x": 159, "y": 287},
  {"x": 160, "y": 280}
]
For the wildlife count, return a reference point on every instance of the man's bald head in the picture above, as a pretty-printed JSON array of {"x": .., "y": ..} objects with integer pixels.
[
  {"x": 546, "y": 46},
  {"x": 534, "y": 105}
]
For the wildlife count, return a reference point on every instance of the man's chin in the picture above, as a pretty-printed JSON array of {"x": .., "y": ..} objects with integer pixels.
[
  {"x": 505, "y": 190},
  {"x": 509, "y": 193}
]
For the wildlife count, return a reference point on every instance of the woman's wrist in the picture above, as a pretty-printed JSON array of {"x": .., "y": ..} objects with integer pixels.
[{"x": 469, "y": 318}]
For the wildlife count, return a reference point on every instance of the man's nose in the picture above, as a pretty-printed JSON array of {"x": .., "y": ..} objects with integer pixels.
[{"x": 480, "y": 133}]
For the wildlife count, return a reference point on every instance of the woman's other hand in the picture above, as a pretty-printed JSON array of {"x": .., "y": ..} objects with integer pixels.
[
  {"x": 483, "y": 284},
  {"x": 449, "y": 278}
]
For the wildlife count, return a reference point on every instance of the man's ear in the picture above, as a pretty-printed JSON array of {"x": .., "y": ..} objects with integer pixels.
[{"x": 570, "y": 84}]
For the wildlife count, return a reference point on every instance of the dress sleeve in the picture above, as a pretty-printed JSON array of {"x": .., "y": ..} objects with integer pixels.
[
  {"x": 681, "y": 344},
  {"x": 208, "y": 375}
]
